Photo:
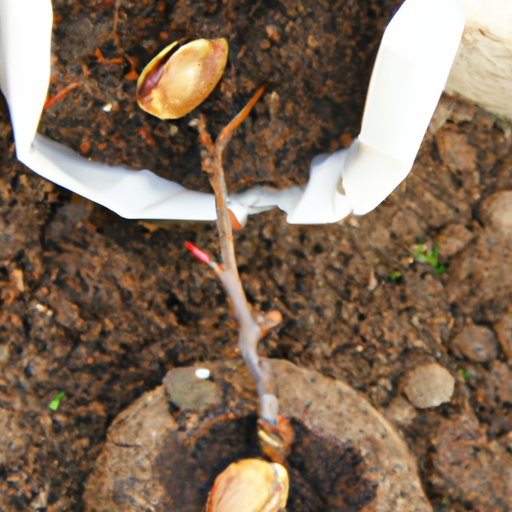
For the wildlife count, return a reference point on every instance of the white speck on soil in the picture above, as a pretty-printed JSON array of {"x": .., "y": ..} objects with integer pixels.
[{"x": 202, "y": 373}]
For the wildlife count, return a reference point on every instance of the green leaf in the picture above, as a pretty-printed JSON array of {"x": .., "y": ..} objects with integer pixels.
[
  {"x": 394, "y": 276},
  {"x": 54, "y": 404},
  {"x": 465, "y": 374},
  {"x": 423, "y": 255}
]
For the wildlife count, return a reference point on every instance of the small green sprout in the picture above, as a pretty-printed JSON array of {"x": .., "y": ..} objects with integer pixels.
[
  {"x": 394, "y": 276},
  {"x": 444, "y": 506},
  {"x": 54, "y": 404},
  {"x": 423, "y": 255},
  {"x": 465, "y": 374}
]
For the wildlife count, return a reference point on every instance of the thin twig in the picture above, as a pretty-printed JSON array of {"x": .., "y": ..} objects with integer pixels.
[
  {"x": 56, "y": 97},
  {"x": 115, "y": 22},
  {"x": 212, "y": 165},
  {"x": 227, "y": 132},
  {"x": 251, "y": 330}
]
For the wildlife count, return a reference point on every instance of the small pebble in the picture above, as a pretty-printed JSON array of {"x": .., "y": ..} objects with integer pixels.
[
  {"x": 187, "y": 391},
  {"x": 400, "y": 411},
  {"x": 313, "y": 41},
  {"x": 477, "y": 343},
  {"x": 452, "y": 239},
  {"x": 456, "y": 151},
  {"x": 497, "y": 212},
  {"x": 429, "y": 385},
  {"x": 503, "y": 330},
  {"x": 273, "y": 33},
  {"x": 4, "y": 354},
  {"x": 499, "y": 379}
]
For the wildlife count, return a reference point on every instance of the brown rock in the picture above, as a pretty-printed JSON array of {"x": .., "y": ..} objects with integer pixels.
[
  {"x": 497, "y": 212},
  {"x": 481, "y": 273},
  {"x": 477, "y": 343},
  {"x": 499, "y": 380},
  {"x": 503, "y": 330},
  {"x": 401, "y": 412},
  {"x": 468, "y": 468},
  {"x": 408, "y": 224},
  {"x": 452, "y": 239},
  {"x": 429, "y": 385},
  {"x": 456, "y": 151}
]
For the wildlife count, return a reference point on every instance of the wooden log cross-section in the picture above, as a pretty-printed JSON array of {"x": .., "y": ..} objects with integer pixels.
[{"x": 482, "y": 71}]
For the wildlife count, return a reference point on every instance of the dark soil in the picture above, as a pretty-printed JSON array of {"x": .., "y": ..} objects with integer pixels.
[
  {"x": 100, "y": 307},
  {"x": 311, "y": 106}
]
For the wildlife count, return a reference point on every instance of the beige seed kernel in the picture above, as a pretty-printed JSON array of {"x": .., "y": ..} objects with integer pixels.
[
  {"x": 181, "y": 77},
  {"x": 250, "y": 485}
]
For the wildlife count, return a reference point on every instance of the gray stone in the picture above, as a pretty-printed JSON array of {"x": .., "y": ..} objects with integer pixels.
[
  {"x": 186, "y": 391},
  {"x": 429, "y": 385}
]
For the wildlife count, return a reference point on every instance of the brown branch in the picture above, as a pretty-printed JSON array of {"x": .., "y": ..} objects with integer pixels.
[
  {"x": 212, "y": 165},
  {"x": 251, "y": 329}
]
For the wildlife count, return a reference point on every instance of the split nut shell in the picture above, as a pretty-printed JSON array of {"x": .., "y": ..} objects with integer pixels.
[
  {"x": 181, "y": 77},
  {"x": 250, "y": 485}
]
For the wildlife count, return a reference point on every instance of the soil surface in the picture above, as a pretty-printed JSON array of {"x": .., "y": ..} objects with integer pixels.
[{"x": 100, "y": 308}]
